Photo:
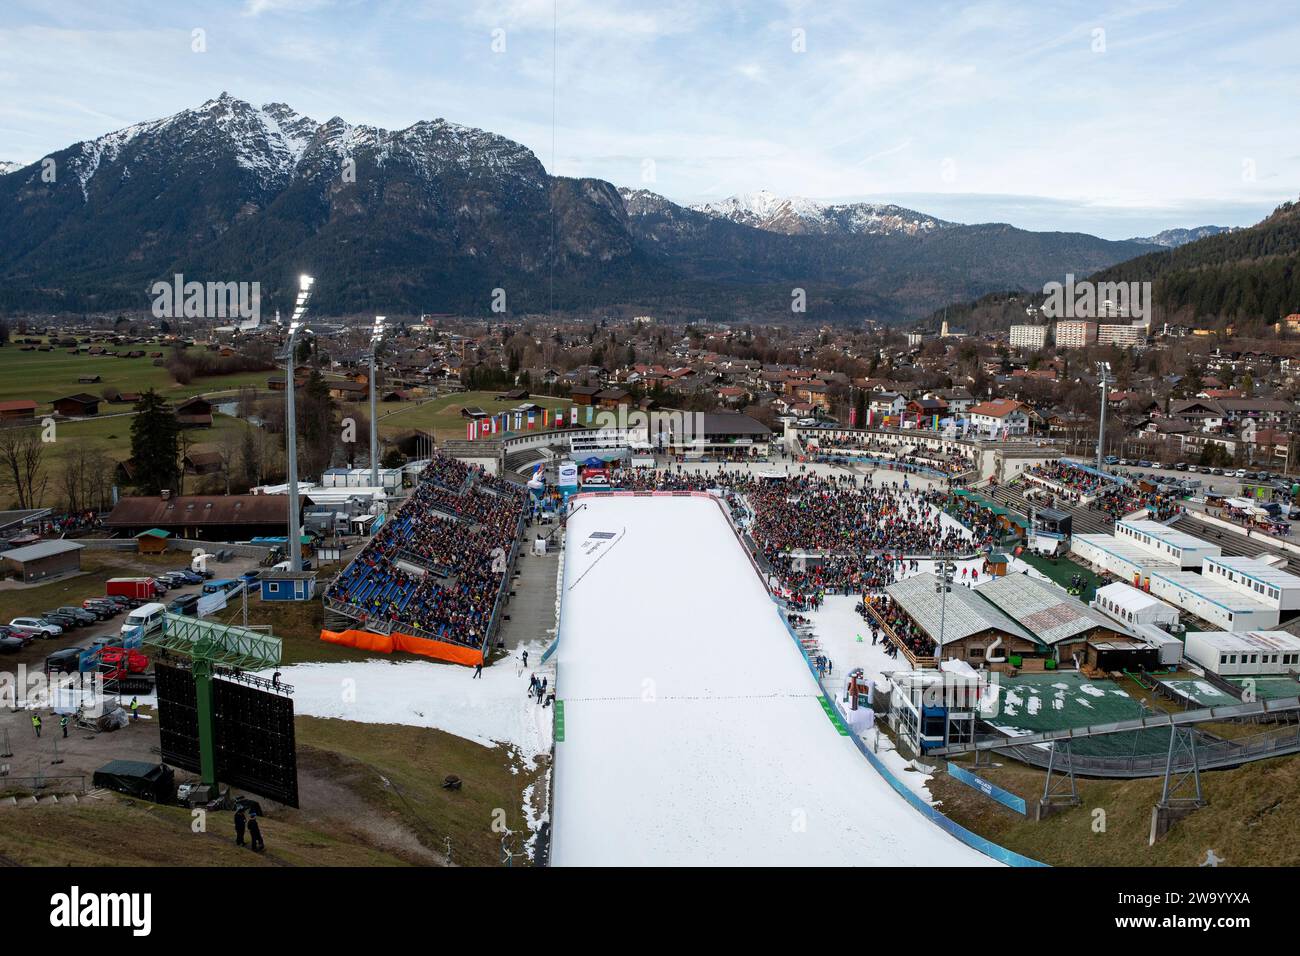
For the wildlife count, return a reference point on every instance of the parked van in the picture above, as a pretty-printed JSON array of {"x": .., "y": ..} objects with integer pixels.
[{"x": 144, "y": 620}]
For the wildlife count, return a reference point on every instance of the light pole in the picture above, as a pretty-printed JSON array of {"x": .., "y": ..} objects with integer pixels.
[
  {"x": 1103, "y": 369},
  {"x": 291, "y": 422},
  {"x": 376, "y": 334},
  {"x": 946, "y": 569}
]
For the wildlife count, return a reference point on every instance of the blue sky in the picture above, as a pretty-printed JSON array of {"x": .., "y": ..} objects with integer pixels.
[{"x": 1118, "y": 119}]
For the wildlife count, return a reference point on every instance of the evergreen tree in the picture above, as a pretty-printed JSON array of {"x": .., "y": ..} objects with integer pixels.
[{"x": 155, "y": 436}]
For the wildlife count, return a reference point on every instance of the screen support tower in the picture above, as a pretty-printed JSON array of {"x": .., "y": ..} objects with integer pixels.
[
  {"x": 305, "y": 283},
  {"x": 376, "y": 335},
  {"x": 210, "y": 645}
]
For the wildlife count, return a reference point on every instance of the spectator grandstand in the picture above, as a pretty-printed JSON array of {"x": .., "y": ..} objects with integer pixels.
[{"x": 437, "y": 568}]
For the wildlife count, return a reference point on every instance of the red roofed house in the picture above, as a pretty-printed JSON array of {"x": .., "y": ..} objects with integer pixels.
[
  {"x": 21, "y": 410},
  {"x": 1000, "y": 416}
]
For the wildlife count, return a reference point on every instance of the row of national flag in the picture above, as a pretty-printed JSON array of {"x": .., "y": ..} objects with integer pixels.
[{"x": 517, "y": 421}]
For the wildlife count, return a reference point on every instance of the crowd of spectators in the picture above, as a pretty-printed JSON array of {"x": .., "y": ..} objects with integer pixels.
[
  {"x": 824, "y": 533},
  {"x": 904, "y": 629},
  {"x": 1113, "y": 498},
  {"x": 1076, "y": 483},
  {"x": 437, "y": 567}
]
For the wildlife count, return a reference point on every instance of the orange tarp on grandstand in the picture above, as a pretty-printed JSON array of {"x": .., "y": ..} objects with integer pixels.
[{"x": 387, "y": 643}]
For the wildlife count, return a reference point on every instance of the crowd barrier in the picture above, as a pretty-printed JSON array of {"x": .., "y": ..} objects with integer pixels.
[{"x": 408, "y": 643}]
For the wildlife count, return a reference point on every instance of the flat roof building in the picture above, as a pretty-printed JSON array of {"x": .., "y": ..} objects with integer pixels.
[
  {"x": 45, "y": 559},
  {"x": 1205, "y": 597},
  {"x": 1244, "y": 652},
  {"x": 1183, "y": 549},
  {"x": 1256, "y": 577},
  {"x": 1211, "y": 601}
]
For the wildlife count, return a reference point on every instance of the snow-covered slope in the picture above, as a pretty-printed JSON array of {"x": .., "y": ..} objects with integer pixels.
[
  {"x": 693, "y": 732},
  {"x": 794, "y": 215},
  {"x": 7, "y": 167}
]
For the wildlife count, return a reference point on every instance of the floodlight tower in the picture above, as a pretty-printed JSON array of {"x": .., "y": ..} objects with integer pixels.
[
  {"x": 376, "y": 334},
  {"x": 1103, "y": 373},
  {"x": 291, "y": 423}
]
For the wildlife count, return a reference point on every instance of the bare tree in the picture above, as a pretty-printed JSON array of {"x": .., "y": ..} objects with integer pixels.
[
  {"x": 183, "y": 445},
  {"x": 22, "y": 453},
  {"x": 227, "y": 450}
]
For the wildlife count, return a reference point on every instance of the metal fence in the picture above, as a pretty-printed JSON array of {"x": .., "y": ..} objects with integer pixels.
[{"x": 1212, "y": 753}]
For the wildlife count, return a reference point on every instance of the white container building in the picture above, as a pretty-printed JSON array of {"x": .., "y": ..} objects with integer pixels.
[
  {"x": 1168, "y": 544},
  {"x": 1256, "y": 577},
  {"x": 1245, "y": 652}
]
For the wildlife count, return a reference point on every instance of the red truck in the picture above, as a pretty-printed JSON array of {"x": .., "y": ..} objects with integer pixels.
[{"x": 137, "y": 589}]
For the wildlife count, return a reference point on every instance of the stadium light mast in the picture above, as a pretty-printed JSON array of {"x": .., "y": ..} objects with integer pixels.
[
  {"x": 376, "y": 334},
  {"x": 1103, "y": 369},
  {"x": 291, "y": 423}
]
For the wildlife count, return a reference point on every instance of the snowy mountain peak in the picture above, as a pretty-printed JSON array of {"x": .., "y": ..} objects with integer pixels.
[
  {"x": 1173, "y": 238},
  {"x": 7, "y": 167},
  {"x": 270, "y": 142},
  {"x": 796, "y": 215}
]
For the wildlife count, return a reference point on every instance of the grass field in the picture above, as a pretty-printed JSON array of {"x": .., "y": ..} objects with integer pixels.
[
  {"x": 112, "y": 436},
  {"x": 371, "y": 795},
  {"x": 1247, "y": 823},
  {"x": 1062, "y": 569},
  {"x": 442, "y": 414},
  {"x": 45, "y": 376}
]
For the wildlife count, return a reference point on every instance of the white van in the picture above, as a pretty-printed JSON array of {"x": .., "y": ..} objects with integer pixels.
[{"x": 146, "y": 619}]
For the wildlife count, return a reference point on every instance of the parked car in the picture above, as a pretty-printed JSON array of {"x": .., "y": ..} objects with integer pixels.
[
  {"x": 1180, "y": 466},
  {"x": 188, "y": 576},
  {"x": 35, "y": 627},
  {"x": 101, "y": 608},
  {"x": 1111, "y": 460},
  {"x": 11, "y": 641},
  {"x": 144, "y": 620},
  {"x": 80, "y": 613},
  {"x": 185, "y": 604},
  {"x": 63, "y": 661},
  {"x": 65, "y": 621},
  {"x": 6, "y": 631}
]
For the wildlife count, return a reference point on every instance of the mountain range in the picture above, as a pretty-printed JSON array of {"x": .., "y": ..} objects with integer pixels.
[
  {"x": 1173, "y": 238},
  {"x": 436, "y": 216}
]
